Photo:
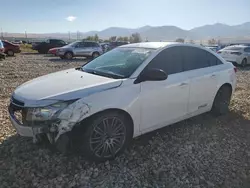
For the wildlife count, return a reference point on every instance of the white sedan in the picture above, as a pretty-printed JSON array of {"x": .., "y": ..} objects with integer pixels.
[
  {"x": 131, "y": 90},
  {"x": 238, "y": 54}
]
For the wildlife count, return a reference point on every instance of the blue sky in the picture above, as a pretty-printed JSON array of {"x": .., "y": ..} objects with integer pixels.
[{"x": 36, "y": 16}]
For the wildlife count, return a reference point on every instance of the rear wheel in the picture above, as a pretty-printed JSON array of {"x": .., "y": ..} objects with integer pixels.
[
  {"x": 222, "y": 100},
  {"x": 244, "y": 62},
  {"x": 10, "y": 53},
  {"x": 68, "y": 55},
  {"x": 107, "y": 135}
]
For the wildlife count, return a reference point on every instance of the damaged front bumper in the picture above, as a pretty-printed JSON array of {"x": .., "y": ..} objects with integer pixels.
[
  {"x": 59, "y": 124},
  {"x": 22, "y": 128}
]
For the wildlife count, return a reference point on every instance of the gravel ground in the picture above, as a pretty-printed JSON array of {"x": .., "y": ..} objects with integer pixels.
[{"x": 200, "y": 152}]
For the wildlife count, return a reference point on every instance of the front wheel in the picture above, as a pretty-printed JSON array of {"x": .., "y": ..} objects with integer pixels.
[
  {"x": 68, "y": 55},
  {"x": 95, "y": 55},
  {"x": 10, "y": 53},
  {"x": 222, "y": 100},
  {"x": 107, "y": 135}
]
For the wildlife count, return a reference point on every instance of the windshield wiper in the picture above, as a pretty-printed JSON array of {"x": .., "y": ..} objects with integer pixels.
[{"x": 100, "y": 73}]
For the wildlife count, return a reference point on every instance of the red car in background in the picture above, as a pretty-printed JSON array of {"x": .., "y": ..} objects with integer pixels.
[
  {"x": 53, "y": 51},
  {"x": 10, "y": 49}
]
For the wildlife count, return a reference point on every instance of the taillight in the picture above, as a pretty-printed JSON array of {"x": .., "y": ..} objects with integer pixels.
[
  {"x": 236, "y": 53},
  {"x": 235, "y": 69},
  {"x": 218, "y": 52}
]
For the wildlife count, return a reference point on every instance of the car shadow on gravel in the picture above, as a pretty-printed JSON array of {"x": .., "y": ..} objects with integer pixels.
[
  {"x": 30, "y": 53},
  {"x": 180, "y": 152}
]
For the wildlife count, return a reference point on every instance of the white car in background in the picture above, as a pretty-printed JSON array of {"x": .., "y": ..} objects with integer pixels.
[
  {"x": 238, "y": 54},
  {"x": 126, "y": 92}
]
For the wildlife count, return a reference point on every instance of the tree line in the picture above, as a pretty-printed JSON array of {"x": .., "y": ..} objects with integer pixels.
[{"x": 134, "y": 38}]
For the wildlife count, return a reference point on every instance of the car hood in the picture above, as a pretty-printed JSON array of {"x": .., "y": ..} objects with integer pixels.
[{"x": 63, "y": 85}]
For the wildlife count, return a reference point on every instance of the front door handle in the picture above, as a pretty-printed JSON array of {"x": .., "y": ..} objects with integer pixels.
[{"x": 183, "y": 84}]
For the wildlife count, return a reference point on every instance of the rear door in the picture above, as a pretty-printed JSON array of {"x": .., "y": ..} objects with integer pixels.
[{"x": 200, "y": 65}]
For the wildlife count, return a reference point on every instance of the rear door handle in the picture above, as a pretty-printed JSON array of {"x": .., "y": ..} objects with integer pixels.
[{"x": 183, "y": 84}]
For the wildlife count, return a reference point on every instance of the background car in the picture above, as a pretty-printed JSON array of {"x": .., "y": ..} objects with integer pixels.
[
  {"x": 115, "y": 44},
  {"x": 53, "y": 51},
  {"x": 10, "y": 49},
  {"x": 43, "y": 47},
  {"x": 2, "y": 55},
  {"x": 238, "y": 54},
  {"x": 80, "y": 49},
  {"x": 213, "y": 48}
]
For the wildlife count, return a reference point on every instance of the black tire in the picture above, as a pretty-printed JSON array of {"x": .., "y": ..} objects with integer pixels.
[
  {"x": 244, "y": 62},
  {"x": 222, "y": 101},
  {"x": 99, "y": 145},
  {"x": 95, "y": 55},
  {"x": 10, "y": 53},
  {"x": 68, "y": 55}
]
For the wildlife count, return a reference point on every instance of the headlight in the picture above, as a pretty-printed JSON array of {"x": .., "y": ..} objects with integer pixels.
[{"x": 46, "y": 113}]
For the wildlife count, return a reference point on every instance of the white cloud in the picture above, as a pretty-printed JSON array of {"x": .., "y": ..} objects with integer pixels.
[{"x": 71, "y": 18}]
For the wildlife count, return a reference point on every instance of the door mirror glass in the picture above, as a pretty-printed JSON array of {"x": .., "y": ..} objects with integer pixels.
[{"x": 152, "y": 75}]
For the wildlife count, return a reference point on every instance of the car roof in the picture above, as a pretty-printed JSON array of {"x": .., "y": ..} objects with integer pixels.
[{"x": 153, "y": 45}]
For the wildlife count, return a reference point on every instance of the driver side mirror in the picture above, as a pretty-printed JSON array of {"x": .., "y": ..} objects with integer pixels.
[{"x": 151, "y": 75}]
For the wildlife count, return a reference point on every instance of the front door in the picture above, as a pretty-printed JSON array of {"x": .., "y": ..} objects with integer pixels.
[
  {"x": 80, "y": 49},
  {"x": 164, "y": 102}
]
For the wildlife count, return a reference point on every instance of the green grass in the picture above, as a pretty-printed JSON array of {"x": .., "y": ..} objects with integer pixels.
[{"x": 27, "y": 48}]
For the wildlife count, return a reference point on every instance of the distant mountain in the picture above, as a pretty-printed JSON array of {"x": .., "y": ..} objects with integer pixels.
[
  {"x": 221, "y": 30},
  {"x": 158, "y": 33}
]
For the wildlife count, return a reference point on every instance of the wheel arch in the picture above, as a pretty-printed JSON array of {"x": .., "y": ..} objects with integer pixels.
[
  {"x": 121, "y": 111},
  {"x": 226, "y": 85},
  {"x": 69, "y": 51},
  {"x": 95, "y": 52}
]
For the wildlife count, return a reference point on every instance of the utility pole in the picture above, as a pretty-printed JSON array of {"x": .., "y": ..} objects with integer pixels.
[
  {"x": 69, "y": 36},
  {"x": 1, "y": 33},
  {"x": 26, "y": 35}
]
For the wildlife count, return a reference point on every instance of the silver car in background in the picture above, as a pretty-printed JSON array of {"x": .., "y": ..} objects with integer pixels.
[
  {"x": 238, "y": 54},
  {"x": 80, "y": 49}
]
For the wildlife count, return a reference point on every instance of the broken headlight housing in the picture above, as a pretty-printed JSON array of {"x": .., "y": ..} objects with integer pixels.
[{"x": 46, "y": 113}]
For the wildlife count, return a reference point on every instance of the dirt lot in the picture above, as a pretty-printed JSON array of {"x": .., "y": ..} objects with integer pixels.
[{"x": 200, "y": 152}]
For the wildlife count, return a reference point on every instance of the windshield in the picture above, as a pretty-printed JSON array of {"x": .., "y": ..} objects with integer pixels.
[
  {"x": 119, "y": 63},
  {"x": 233, "y": 48}
]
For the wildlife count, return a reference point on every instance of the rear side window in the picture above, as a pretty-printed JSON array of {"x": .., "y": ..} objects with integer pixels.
[
  {"x": 95, "y": 44},
  {"x": 89, "y": 44},
  {"x": 169, "y": 60},
  {"x": 247, "y": 50},
  {"x": 194, "y": 58}
]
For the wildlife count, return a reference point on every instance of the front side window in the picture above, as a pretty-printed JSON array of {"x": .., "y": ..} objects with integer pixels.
[
  {"x": 118, "y": 63},
  {"x": 169, "y": 60}
]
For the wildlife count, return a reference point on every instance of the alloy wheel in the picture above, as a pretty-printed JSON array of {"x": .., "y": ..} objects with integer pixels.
[{"x": 108, "y": 137}]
